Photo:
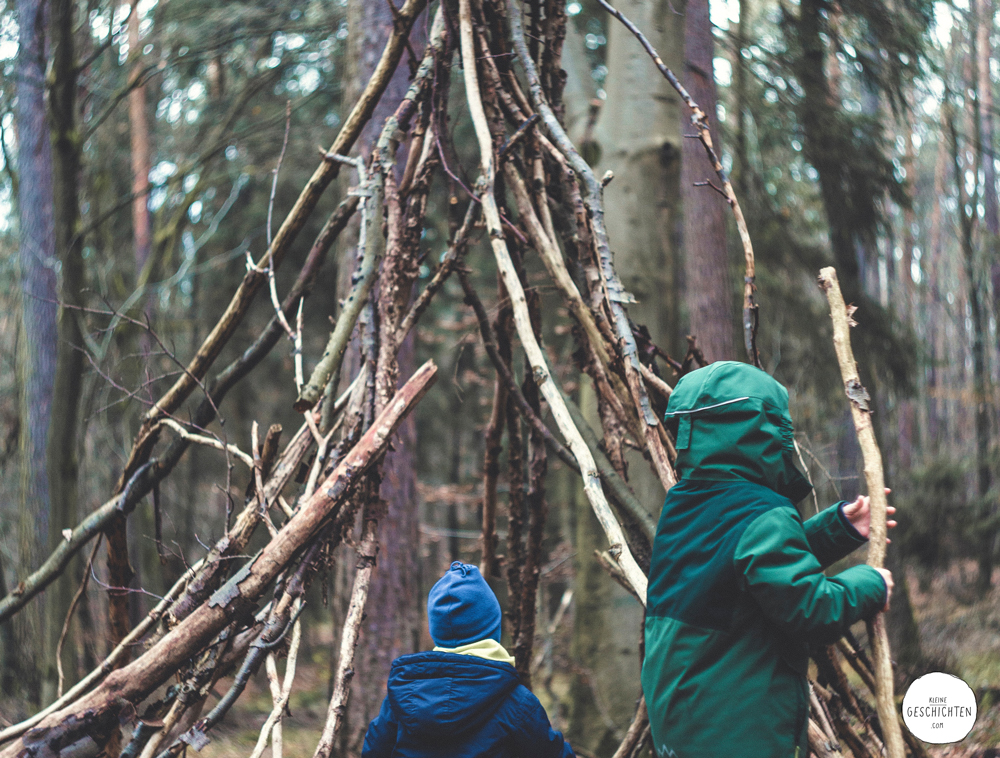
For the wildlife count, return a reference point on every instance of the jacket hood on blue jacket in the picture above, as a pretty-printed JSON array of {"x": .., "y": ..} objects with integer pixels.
[{"x": 447, "y": 693}]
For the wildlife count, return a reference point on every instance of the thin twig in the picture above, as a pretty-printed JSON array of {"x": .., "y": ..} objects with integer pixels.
[
  {"x": 200, "y": 439},
  {"x": 69, "y": 615},
  {"x": 273, "y": 723}
]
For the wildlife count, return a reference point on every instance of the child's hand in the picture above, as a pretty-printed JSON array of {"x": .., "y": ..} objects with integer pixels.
[
  {"x": 860, "y": 516},
  {"x": 887, "y": 576}
]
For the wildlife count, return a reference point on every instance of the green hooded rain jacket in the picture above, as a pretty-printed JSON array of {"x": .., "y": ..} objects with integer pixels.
[{"x": 736, "y": 586}]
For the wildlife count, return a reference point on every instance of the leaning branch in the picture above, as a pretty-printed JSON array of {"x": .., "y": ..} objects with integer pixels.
[
  {"x": 367, "y": 550},
  {"x": 875, "y": 479}
]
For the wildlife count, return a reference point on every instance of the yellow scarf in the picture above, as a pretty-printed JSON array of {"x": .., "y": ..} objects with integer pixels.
[{"x": 491, "y": 650}]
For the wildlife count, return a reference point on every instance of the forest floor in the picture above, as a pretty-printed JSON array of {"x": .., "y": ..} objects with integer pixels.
[{"x": 960, "y": 634}]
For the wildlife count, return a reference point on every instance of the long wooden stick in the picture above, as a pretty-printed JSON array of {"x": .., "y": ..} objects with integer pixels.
[
  {"x": 543, "y": 378},
  {"x": 875, "y": 479}
]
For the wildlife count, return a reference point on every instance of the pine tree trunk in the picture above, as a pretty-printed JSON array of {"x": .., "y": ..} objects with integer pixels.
[
  {"x": 392, "y": 618},
  {"x": 708, "y": 286},
  {"x": 63, "y": 428},
  {"x": 141, "y": 155},
  {"x": 37, "y": 353}
]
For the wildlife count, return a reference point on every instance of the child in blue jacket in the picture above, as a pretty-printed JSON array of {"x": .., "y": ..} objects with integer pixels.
[{"x": 464, "y": 699}]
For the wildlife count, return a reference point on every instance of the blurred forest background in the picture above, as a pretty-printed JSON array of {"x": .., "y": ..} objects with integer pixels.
[{"x": 149, "y": 148}]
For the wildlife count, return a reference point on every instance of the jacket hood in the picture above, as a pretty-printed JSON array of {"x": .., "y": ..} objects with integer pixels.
[
  {"x": 437, "y": 693},
  {"x": 731, "y": 421}
]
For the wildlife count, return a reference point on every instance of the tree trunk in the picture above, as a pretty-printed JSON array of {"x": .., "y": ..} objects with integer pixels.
[
  {"x": 141, "y": 155},
  {"x": 818, "y": 115},
  {"x": 639, "y": 135},
  {"x": 392, "y": 622},
  {"x": 63, "y": 443},
  {"x": 606, "y": 623},
  {"x": 707, "y": 283},
  {"x": 639, "y": 138},
  {"x": 37, "y": 354}
]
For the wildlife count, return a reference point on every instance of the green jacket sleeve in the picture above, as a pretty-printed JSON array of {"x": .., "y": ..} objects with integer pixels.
[
  {"x": 831, "y": 536},
  {"x": 787, "y": 582}
]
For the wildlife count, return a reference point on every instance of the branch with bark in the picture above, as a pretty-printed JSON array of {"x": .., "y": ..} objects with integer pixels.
[{"x": 875, "y": 479}]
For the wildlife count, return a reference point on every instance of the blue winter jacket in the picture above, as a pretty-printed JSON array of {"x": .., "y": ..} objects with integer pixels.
[{"x": 447, "y": 705}]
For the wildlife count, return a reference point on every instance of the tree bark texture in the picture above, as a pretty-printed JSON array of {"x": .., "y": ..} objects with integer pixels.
[
  {"x": 707, "y": 281},
  {"x": 392, "y": 620},
  {"x": 63, "y": 429},
  {"x": 39, "y": 307},
  {"x": 141, "y": 148}
]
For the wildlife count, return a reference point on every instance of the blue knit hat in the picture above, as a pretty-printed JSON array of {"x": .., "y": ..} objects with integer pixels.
[{"x": 461, "y": 608}]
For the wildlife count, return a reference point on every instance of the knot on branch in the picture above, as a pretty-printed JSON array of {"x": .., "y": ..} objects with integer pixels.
[{"x": 858, "y": 395}]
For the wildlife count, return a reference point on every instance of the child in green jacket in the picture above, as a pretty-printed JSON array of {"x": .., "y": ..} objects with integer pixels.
[{"x": 736, "y": 587}]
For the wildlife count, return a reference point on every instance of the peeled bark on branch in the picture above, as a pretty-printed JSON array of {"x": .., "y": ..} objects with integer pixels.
[
  {"x": 367, "y": 552},
  {"x": 875, "y": 479}
]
